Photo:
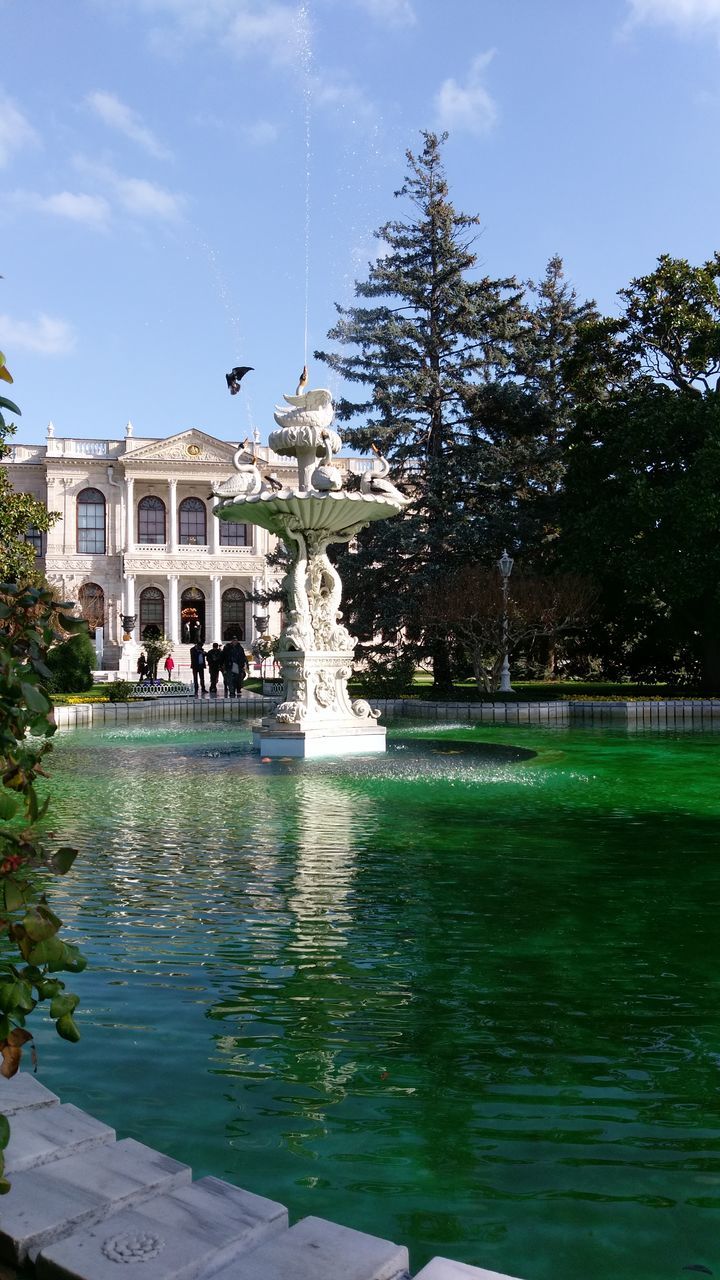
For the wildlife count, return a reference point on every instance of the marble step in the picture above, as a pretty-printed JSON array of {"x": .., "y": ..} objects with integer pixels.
[
  {"x": 23, "y": 1091},
  {"x": 52, "y": 1200},
  {"x": 41, "y": 1134},
  {"x": 318, "y": 1250},
  {"x": 178, "y": 1236},
  {"x": 446, "y": 1269}
]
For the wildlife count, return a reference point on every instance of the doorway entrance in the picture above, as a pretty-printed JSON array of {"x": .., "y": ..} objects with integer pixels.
[{"x": 192, "y": 615}]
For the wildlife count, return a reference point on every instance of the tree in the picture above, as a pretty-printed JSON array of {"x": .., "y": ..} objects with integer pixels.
[
  {"x": 18, "y": 511},
  {"x": 431, "y": 332},
  {"x": 641, "y": 511},
  {"x": 471, "y": 608},
  {"x": 31, "y": 951}
]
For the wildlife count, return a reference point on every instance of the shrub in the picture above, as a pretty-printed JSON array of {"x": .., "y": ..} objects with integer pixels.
[
  {"x": 71, "y": 664},
  {"x": 119, "y": 690},
  {"x": 387, "y": 675}
]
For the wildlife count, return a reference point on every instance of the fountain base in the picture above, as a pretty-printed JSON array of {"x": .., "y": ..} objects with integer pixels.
[{"x": 273, "y": 740}]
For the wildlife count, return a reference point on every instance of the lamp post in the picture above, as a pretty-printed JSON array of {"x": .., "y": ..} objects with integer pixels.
[{"x": 505, "y": 564}]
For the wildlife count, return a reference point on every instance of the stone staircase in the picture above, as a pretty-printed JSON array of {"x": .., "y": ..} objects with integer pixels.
[{"x": 83, "y": 1202}]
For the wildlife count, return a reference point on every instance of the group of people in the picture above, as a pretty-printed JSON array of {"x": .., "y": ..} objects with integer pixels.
[{"x": 228, "y": 663}]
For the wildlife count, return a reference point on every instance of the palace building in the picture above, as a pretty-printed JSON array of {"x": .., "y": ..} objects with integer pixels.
[{"x": 137, "y": 534}]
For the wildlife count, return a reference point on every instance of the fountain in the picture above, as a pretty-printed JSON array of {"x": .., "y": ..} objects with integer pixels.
[{"x": 316, "y": 717}]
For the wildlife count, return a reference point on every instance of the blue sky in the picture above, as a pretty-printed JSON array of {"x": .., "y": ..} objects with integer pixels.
[{"x": 155, "y": 189}]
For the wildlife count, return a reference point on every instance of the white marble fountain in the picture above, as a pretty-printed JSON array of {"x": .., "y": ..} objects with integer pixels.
[{"x": 317, "y": 717}]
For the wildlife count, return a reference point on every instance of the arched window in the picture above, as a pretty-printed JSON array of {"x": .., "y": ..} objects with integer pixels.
[
  {"x": 192, "y": 615},
  {"x": 233, "y": 614},
  {"x": 193, "y": 516},
  {"x": 92, "y": 605},
  {"x": 232, "y": 534},
  {"x": 152, "y": 612},
  {"x": 91, "y": 523},
  {"x": 151, "y": 520}
]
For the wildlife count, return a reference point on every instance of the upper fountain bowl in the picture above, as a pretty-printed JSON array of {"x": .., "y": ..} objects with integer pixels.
[{"x": 305, "y": 425}]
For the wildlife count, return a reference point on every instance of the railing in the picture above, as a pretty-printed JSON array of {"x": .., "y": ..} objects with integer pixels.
[{"x": 185, "y": 549}]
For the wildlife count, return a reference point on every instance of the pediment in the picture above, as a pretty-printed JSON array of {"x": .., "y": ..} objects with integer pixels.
[{"x": 189, "y": 446}]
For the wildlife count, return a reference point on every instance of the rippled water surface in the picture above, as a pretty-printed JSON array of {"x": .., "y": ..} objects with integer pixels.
[{"x": 465, "y": 998}]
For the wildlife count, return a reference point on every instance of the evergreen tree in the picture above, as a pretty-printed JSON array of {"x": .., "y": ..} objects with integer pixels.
[{"x": 432, "y": 333}]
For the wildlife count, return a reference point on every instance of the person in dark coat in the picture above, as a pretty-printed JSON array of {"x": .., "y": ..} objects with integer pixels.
[
  {"x": 197, "y": 665},
  {"x": 142, "y": 667},
  {"x": 215, "y": 665},
  {"x": 235, "y": 665}
]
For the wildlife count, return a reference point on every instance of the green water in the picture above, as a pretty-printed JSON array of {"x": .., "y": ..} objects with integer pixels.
[{"x": 466, "y": 1001}]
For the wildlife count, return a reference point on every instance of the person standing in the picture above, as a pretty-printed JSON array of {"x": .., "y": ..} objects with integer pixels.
[
  {"x": 214, "y": 662},
  {"x": 197, "y": 664},
  {"x": 169, "y": 666},
  {"x": 235, "y": 664},
  {"x": 141, "y": 667}
]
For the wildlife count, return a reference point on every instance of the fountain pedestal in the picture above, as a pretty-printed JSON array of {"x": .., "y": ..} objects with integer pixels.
[{"x": 316, "y": 717}]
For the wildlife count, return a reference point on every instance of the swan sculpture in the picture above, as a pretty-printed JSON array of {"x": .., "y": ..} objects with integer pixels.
[
  {"x": 326, "y": 478},
  {"x": 312, "y": 411},
  {"x": 375, "y": 484},
  {"x": 246, "y": 482}
]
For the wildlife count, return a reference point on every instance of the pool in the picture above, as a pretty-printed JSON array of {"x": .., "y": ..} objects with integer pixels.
[{"x": 465, "y": 996}]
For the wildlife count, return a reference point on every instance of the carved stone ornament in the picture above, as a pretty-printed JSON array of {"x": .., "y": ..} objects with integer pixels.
[{"x": 133, "y": 1246}]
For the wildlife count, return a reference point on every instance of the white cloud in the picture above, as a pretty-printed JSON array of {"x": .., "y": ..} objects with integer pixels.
[
  {"x": 46, "y": 335},
  {"x": 685, "y": 15},
  {"x": 261, "y": 133},
  {"x": 277, "y": 31},
  {"x": 118, "y": 116},
  {"x": 92, "y": 211},
  {"x": 393, "y": 13},
  {"x": 136, "y": 196},
  {"x": 16, "y": 131},
  {"x": 147, "y": 200},
  {"x": 467, "y": 106}
]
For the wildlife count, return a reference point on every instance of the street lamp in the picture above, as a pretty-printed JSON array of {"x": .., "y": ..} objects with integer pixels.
[{"x": 505, "y": 564}]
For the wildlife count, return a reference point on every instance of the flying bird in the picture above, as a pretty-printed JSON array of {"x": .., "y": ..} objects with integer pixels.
[{"x": 235, "y": 377}]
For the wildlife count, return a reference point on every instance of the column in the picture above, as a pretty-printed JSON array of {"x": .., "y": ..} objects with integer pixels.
[
  {"x": 129, "y": 513},
  {"x": 130, "y": 593},
  {"x": 216, "y": 607},
  {"x": 173, "y": 518},
  {"x": 214, "y": 538},
  {"x": 173, "y": 629}
]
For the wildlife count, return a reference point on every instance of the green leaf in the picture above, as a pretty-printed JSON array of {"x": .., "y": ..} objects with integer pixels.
[
  {"x": 39, "y": 928},
  {"x": 67, "y": 1029},
  {"x": 8, "y": 805},
  {"x": 14, "y": 894},
  {"x": 4, "y": 1131},
  {"x": 16, "y": 996},
  {"x": 73, "y": 625},
  {"x": 34, "y": 697},
  {"x": 8, "y": 404},
  {"x": 63, "y": 1004},
  {"x": 63, "y": 859}
]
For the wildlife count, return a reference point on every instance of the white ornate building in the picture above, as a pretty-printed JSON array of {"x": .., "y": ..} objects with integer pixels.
[{"x": 137, "y": 534}]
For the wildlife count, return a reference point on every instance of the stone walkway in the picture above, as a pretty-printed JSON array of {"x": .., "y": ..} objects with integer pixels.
[{"x": 85, "y": 1206}]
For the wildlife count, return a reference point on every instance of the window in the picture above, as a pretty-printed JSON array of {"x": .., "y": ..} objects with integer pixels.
[
  {"x": 233, "y": 614},
  {"x": 152, "y": 612},
  {"x": 37, "y": 538},
  {"x": 92, "y": 605},
  {"x": 151, "y": 520},
  {"x": 232, "y": 534},
  {"x": 91, "y": 523},
  {"x": 193, "y": 517}
]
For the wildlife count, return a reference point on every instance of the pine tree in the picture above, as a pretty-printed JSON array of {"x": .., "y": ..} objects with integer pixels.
[{"x": 432, "y": 333}]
